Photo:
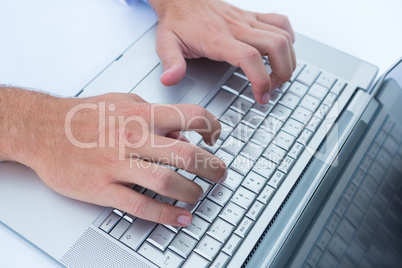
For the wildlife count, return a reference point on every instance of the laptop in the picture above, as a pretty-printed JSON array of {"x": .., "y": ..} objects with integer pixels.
[{"x": 314, "y": 176}]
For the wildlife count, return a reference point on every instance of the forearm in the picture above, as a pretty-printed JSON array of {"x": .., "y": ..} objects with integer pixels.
[{"x": 19, "y": 123}]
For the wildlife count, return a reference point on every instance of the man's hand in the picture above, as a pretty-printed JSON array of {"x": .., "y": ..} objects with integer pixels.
[
  {"x": 95, "y": 149},
  {"x": 219, "y": 31}
]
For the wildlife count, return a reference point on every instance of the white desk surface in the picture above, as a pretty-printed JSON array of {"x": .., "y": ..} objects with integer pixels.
[{"x": 60, "y": 45}]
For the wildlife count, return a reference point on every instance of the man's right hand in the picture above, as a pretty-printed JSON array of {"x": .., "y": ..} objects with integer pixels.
[{"x": 95, "y": 149}]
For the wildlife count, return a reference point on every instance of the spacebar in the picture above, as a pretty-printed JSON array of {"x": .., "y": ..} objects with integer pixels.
[
  {"x": 220, "y": 102},
  {"x": 137, "y": 233}
]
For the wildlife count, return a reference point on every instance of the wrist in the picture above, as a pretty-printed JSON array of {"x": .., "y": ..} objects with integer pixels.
[{"x": 23, "y": 121}]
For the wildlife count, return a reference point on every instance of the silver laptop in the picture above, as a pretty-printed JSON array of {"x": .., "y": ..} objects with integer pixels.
[{"x": 314, "y": 176}]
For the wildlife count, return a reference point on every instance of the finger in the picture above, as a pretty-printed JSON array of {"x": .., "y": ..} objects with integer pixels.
[
  {"x": 277, "y": 20},
  {"x": 177, "y": 136},
  {"x": 124, "y": 198},
  {"x": 270, "y": 28},
  {"x": 182, "y": 155},
  {"x": 185, "y": 117},
  {"x": 249, "y": 59},
  {"x": 169, "y": 51},
  {"x": 274, "y": 45},
  {"x": 160, "y": 179}
]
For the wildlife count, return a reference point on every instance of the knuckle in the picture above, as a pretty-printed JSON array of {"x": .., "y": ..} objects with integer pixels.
[
  {"x": 163, "y": 180},
  {"x": 187, "y": 153},
  {"x": 198, "y": 117},
  {"x": 280, "y": 42},
  {"x": 251, "y": 54},
  {"x": 164, "y": 214},
  {"x": 138, "y": 207}
]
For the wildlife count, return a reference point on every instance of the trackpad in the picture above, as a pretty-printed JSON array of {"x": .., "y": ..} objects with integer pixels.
[{"x": 152, "y": 90}]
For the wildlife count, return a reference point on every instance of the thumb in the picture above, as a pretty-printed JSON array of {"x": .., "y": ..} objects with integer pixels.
[{"x": 169, "y": 51}]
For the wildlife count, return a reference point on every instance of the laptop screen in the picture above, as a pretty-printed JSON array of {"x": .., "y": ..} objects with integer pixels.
[{"x": 359, "y": 223}]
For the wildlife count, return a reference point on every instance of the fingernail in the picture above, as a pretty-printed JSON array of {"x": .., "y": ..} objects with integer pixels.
[
  {"x": 224, "y": 177},
  {"x": 265, "y": 98},
  {"x": 184, "y": 220}
]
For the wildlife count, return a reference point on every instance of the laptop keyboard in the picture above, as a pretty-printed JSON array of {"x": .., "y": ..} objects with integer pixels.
[
  {"x": 259, "y": 144},
  {"x": 359, "y": 231}
]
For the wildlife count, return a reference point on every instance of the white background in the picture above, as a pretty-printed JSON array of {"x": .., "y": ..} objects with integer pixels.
[{"x": 60, "y": 45}]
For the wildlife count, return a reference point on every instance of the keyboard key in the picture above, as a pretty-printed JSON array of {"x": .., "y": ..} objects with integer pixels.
[
  {"x": 290, "y": 100},
  {"x": 225, "y": 131},
  {"x": 296, "y": 150},
  {"x": 338, "y": 87},
  {"x": 255, "y": 210},
  {"x": 266, "y": 194},
  {"x": 286, "y": 164},
  {"x": 241, "y": 105},
  {"x": 329, "y": 99},
  {"x": 252, "y": 119},
  {"x": 252, "y": 151},
  {"x": 244, "y": 226},
  {"x": 164, "y": 199},
  {"x": 272, "y": 124},
  {"x": 264, "y": 167},
  {"x": 243, "y": 197},
  {"x": 310, "y": 103},
  {"x": 274, "y": 153},
  {"x": 231, "y": 117},
  {"x": 220, "y": 261},
  {"x": 161, "y": 237},
  {"x": 318, "y": 91},
  {"x": 242, "y": 165},
  {"x": 232, "y": 145},
  {"x": 275, "y": 97},
  {"x": 284, "y": 140},
  {"x": 293, "y": 127},
  {"x": 235, "y": 84},
  {"x": 162, "y": 259},
  {"x": 281, "y": 112},
  {"x": 220, "y": 230},
  {"x": 186, "y": 206},
  {"x": 262, "y": 137},
  {"x": 297, "y": 71},
  {"x": 186, "y": 174},
  {"x": 137, "y": 233},
  {"x": 254, "y": 182},
  {"x": 197, "y": 227},
  {"x": 208, "y": 210},
  {"x": 110, "y": 222},
  {"x": 326, "y": 80},
  {"x": 248, "y": 94},
  {"x": 196, "y": 260},
  {"x": 276, "y": 179},
  {"x": 120, "y": 228},
  {"x": 298, "y": 89},
  {"x": 283, "y": 88},
  {"x": 220, "y": 194},
  {"x": 233, "y": 180},
  {"x": 243, "y": 132},
  {"x": 305, "y": 137},
  {"x": 314, "y": 124},
  {"x": 302, "y": 114},
  {"x": 212, "y": 149},
  {"x": 232, "y": 213},
  {"x": 226, "y": 157},
  {"x": 308, "y": 75},
  {"x": 183, "y": 244},
  {"x": 220, "y": 102},
  {"x": 206, "y": 186},
  {"x": 232, "y": 245},
  {"x": 322, "y": 111},
  {"x": 262, "y": 109},
  {"x": 208, "y": 247}
]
